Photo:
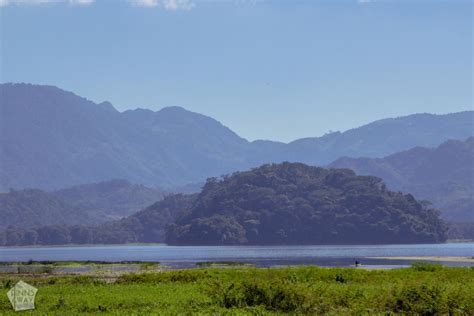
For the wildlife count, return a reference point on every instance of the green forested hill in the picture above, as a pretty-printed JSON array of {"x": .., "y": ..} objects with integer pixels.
[
  {"x": 292, "y": 203},
  {"x": 88, "y": 204},
  {"x": 30, "y": 208},
  {"x": 443, "y": 175},
  {"x": 288, "y": 203},
  {"x": 110, "y": 199},
  {"x": 148, "y": 225}
]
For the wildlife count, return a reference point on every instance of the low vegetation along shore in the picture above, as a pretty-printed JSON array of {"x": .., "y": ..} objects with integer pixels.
[
  {"x": 431, "y": 258},
  {"x": 425, "y": 289}
]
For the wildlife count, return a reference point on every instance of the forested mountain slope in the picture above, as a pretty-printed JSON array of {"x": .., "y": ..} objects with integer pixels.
[
  {"x": 288, "y": 203},
  {"x": 292, "y": 203},
  {"x": 32, "y": 207},
  {"x": 112, "y": 199},
  {"x": 89, "y": 204},
  {"x": 51, "y": 139},
  {"x": 443, "y": 175}
]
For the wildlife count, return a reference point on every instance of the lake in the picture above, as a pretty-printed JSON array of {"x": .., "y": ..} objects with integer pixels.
[{"x": 263, "y": 256}]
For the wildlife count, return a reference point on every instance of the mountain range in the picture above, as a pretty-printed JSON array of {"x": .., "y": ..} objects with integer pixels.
[
  {"x": 51, "y": 139},
  {"x": 443, "y": 175},
  {"x": 277, "y": 204},
  {"x": 89, "y": 204}
]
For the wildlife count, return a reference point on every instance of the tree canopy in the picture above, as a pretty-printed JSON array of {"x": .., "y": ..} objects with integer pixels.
[
  {"x": 292, "y": 203},
  {"x": 288, "y": 203}
]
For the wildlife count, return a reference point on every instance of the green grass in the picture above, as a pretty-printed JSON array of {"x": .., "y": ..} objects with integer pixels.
[
  {"x": 74, "y": 263},
  {"x": 223, "y": 264},
  {"x": 459, "y": 240},
  {"x": 424, "y": 289},
  {"x": 89, "y": 267}
]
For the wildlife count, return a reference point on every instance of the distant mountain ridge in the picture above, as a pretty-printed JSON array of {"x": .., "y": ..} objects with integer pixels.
[
  {"x": 88, "y": 204},
  {"x": 277, "y": 204},
  {"x": 443, "y": 175},
  {"x": 33, "y": 208},
  {"x": 110, "y": 199},
  {"x": 386, "y": 136},
  {"x": 51, "y": 138}
]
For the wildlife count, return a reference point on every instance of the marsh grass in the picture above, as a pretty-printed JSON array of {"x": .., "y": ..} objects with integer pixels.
[
  {"x": 98, "y": 268},
  {"x": 420, "y": 290},
  {"x": 426, "y": 266},
  {"x": 223, "y": 264},
  {"x": 73, "y": 263}
]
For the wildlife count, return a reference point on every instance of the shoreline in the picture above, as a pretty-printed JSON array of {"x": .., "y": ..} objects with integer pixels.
[
  {"x": 429, "y": 258},
  {"x": 453, "y": 241},
  {"x": 307, "y": 290}
]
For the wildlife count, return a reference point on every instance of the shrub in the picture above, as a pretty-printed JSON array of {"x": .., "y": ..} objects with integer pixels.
[
  {"x": 34, "y": 269},
  {"x": 420, "y": 300},
  {"x": 340, "y": 278},
  {"x": 426, "y": 266},
  {"x": 275, "y": 295},
  {"x": 7, "y": 284},
  {"x": 184, "y": 276},
  {"x": 84, "y": 280}
]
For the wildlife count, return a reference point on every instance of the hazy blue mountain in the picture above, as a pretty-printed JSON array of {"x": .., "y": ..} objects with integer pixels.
[
  {"x": 51, "y": 139},
  {"x": 110, "y": 199},
  {"x": 31, "y": 208},
  {"x": 383, "y": 137},
  {"x": 443, "y": 175},
  {"x": 277, "y": 204},
  {"x": 88, "y": 204}
]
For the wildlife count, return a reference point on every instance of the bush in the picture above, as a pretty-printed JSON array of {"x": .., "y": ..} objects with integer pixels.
[
  {"x": 275, "y": 295},
  {"x": 340, "y": 278},
  {"x": 84, "y": 280},
  {"x": 426, "y": 266},
  {"x": 184, "y": 276},
  {"x": 420, "y": 300},
  {"x": 34, "y": 269},
  {"x": 7, "y": 284}
]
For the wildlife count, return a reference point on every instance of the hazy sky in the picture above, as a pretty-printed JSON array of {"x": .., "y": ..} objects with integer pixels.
[{"x": 276, "y": 70}]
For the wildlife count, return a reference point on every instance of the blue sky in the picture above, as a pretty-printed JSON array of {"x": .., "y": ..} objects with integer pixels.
[{"x": 276, "y": 70}]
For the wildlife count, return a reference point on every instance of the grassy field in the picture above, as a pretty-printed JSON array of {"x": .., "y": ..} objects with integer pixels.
[{"x": 422, "y": 289}]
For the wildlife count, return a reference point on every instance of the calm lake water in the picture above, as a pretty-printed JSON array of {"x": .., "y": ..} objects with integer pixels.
[{"x": 188, "y": 256}]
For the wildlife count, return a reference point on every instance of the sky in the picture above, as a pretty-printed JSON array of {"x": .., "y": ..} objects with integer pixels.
[{"x": 269, "y": 69}]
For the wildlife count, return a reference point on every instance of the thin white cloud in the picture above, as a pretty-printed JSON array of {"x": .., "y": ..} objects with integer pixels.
[
  {"x": 4, "y": 3},
  {"x": 175, "y": 5},
  {"x": 247, "y": 2},
  {"x": 364, "y": 1},
  {"x": 169, "y": 5},
  {"x": 81, "y": 2},
  {"x": 145, "y": 3}
]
